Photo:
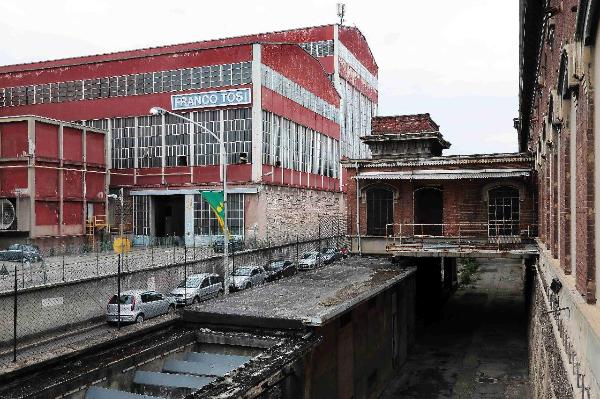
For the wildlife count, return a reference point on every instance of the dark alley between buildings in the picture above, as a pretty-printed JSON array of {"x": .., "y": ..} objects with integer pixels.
[{"x": 477, "y": 346}]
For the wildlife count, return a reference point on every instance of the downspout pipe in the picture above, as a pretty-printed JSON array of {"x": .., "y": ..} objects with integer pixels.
[{"x": 358, "y": 210}]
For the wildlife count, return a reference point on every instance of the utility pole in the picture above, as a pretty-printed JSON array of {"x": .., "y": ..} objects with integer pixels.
[
  {"x": 15, "y": 320},
  {"x": 341, "y": 12},
  {"x": 119, "y": 291},
  {"x": 223, "y": 161},
  {"x": 121, "y": 222}
]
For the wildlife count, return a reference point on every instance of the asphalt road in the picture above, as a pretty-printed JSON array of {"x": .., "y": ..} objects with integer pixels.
[{"x": 478, "y": 349}]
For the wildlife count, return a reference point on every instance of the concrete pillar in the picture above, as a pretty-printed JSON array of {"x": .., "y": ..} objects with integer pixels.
[
  {"x": 429, "y": 287},
  {"x": 189, "y": 219},
  {"x": 449, "y": 265},
  {"x": 257, "y": 139},
  {"x": 31, "y": 177},
  {"x": 61, "y": 180}
]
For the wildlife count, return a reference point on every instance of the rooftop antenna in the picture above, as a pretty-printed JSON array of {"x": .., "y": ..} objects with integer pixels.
[{"x": 341, "y": 11}]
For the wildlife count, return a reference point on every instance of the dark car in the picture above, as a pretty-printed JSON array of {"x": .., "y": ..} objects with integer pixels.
[
  {"x": 235, "y": 245},
  {"x": 330, "y": 255},
  {"x": 280, "y": 268},
  {"x": 21, "y": 253}
]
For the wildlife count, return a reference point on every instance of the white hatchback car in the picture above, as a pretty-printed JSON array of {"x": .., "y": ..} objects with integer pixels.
[
  {"x": 245, "y": 277},
  {"x": 138, "y": 305},
  {"x": 198, "y": 287}
]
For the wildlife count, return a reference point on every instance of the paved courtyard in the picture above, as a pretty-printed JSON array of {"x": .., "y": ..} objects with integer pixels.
[{"x": 478, "y": 349}]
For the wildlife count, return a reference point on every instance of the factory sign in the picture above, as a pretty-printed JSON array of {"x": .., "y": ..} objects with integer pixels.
[{"x": 218, "y": 98}]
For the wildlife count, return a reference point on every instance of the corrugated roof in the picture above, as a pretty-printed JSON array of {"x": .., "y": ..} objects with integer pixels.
[
  {"x": 445, "y": 174},
  {"x": 469, "y": 159}
]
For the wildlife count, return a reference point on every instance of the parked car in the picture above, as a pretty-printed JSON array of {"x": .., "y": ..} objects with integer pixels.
[
  {"x": 235, "y": 244},
  {"x": 198, "y": 287},
  {"x": 247, "y": 277},
  {"x": 138, "y": 305},
  {"x": 330, "y": 255},
  {"x": 21, "y": 253},
  {"x": 309, "y": 260},
  {"x": 280, "y": 268}
]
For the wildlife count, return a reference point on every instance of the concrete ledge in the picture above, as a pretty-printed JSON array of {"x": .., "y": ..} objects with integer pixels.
[{"x": 210, "y": 319}]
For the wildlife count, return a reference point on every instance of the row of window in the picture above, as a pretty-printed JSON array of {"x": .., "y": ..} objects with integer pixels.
[
  {"x": 297, "y": 147},
  {"x": 205, "y": 222},
  {"x": 129, "y": 85},
  {"x": 319, "y": 49},
  {"x": 280, "y": 84},
  {"x": 147, "y": 133},
  {"x": 141, "y": 215},
  {"x": 355, "y": 64},
  {"x": 357, "y": 111},
  {"x": 503, "y": 212}
]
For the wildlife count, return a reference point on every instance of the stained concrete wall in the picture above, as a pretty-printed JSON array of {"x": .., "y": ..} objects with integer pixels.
[
  {"x": 283, "y": 213},
  {"x": 362, "y": 349},
  {"x": 547, "y": 373},
  {"x": 564, "y": 343}
]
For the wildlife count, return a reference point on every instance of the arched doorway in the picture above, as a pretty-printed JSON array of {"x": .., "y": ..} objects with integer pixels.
[
  {"x": 429, "y": 211},
  {"x": 503, "y": 211},
  {"x": 380, "y": 211}
]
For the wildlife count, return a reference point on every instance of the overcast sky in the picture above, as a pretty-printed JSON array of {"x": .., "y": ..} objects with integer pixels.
[{"x": 457, "y": 60}]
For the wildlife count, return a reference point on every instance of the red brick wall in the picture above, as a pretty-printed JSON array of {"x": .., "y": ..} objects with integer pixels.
[
  {"x": 554, "y": 202},
  {"x": 464, "y": 200},
  {"x": 564, "y": 250}
]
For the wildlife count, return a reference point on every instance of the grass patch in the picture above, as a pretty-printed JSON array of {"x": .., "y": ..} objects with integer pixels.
[{"x": 469, "y": 267}]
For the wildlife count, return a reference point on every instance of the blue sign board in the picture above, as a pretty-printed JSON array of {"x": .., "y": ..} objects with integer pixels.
[{"x": 218, "y": 98}]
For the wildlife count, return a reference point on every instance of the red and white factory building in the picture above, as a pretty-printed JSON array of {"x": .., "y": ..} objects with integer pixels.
[{"x": 292, "y": 102}]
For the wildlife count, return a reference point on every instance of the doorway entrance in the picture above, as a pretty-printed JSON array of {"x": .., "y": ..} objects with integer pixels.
[
  {"x": 380, "y": 211},
  {"x": 429, "y": 211},
  {"x": 169, "y": 216}
]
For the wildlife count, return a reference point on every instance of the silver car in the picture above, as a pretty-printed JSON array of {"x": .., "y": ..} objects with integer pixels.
[
  {"x": 310, "y": 260},
  {"x": 246, "y": 277},
  {"x": 138, "y": 305},
  {"x": 198, "y": 287}
]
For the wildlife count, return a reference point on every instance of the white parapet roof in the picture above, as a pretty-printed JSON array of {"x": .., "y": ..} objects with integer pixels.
[{"x": 444, "y": 174}]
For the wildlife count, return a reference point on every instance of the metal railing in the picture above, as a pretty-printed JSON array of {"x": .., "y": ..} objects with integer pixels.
[{"x": 405, "y": 236}]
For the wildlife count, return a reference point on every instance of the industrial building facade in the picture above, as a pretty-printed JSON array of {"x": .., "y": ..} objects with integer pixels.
[
  {"x": 409, "y": 195},
  {"x": 53, "y": 176},
  {"x": 289, "y": 105}
]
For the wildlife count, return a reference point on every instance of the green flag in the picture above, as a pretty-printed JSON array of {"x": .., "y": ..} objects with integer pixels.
[{"x": 216, "y": 201}]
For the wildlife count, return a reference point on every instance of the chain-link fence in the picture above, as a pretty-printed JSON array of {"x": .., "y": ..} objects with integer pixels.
[{"x": 71, "y": 284}]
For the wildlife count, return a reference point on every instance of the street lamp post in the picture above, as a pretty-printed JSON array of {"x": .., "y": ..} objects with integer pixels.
[{"x": 223, "y": 161}]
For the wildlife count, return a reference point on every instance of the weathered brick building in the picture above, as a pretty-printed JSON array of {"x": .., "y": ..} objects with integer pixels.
[
  {"x": 559, "y": 68},
  {"x": 409, "y": 195}
]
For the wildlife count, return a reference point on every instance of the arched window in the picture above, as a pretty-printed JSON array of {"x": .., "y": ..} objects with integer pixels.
[
  {"x": 380, "y": 211},
  {"x": 503, "y": 211}
]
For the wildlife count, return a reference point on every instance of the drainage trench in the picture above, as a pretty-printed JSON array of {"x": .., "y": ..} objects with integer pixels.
[{"x": 169, "y": 364}]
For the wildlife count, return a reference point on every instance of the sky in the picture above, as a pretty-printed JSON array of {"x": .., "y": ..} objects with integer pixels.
[{"x": 456, "y": 60}]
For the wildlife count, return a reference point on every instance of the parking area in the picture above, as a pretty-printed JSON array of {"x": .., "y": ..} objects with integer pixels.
[{"x": 58, "y": 309}]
